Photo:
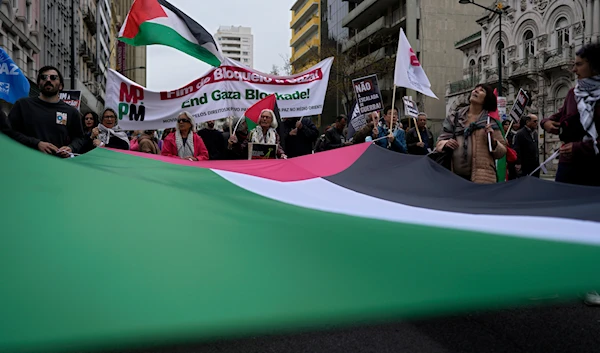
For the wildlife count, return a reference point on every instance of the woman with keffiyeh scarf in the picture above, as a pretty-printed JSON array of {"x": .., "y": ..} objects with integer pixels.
[
  {"x": 108, "y": 134},
  {"x": 185, "y": 143},
  {"x": 465, "y": 136},
  {"x": 578, "y": 121},
  {"x": 265, "y": 132}
]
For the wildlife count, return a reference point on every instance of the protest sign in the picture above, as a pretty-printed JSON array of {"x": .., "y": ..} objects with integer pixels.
[
  {"x": 262, "y": 151},
  {"x": 410, "y": 108},
  {"x": 518, "y": 107},
  {"x": 501, "y": 108},
  {"x": 224, "y": 91},
  {"x": 368, "y": 95},
  {"x": 72, "y": 98}
]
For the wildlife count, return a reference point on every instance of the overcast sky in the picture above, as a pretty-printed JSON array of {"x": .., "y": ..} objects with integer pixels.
[{"x": 169, "y": 69}]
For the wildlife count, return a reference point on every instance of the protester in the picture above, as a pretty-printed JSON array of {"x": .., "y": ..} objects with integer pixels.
[
  {"x": 89, "y": 121},
  {"x": 145, "y": 141},
  {"x": 237, "y": 145},
  {"x": 334, "y": 136},
  {"x": 4, "y": 124},
  {"x": 108, "y": 134},
  {"x": 465, "y": 133},
  {"x": 214, "y": 140},
  {"x": 527, "y": 147},
  {"x": 368, "y": 131},
  {"x": 298, "y": 136},
  {"x": 415, "y": 146},
  {"x": 509, "y": 136},
  {"x": 163, "y": 136},
  {"x": 578, "y": 121},
  {"x": 45, "y": 122},
  {"x": 185, "y": 143},
  {"x": 265, "y": 132},
  {"x": 396, "y": 140}
]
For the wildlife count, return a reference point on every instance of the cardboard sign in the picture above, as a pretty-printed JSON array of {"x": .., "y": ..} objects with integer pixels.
[
  {"x": 262, "y": 151},
  {"x": 368, "y": 95}
]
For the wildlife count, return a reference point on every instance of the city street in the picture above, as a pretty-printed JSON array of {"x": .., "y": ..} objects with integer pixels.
[{"x": 563, "y": 328}]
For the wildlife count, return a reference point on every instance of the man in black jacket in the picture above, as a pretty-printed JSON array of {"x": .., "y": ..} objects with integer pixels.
[
  {"x": 214, "y": 141},
  {"x": 45, "y": 122},
  {"x": 298, "y": 136},
  {"x": 334, "y": 137},
  {"x": 415, "y": 146},
  {"x": 527, "y": 148}
]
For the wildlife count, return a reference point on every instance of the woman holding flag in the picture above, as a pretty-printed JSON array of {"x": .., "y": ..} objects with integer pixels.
[
  {"x": 265, "y": 132},
  {"x": 472, "y": 142}
]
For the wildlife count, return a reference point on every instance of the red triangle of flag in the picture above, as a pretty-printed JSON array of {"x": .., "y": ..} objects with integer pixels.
[
  {"x": 140, "y": 12},
  {"x": 253, "y": 113},
  {"x": 494, "y": 115}
]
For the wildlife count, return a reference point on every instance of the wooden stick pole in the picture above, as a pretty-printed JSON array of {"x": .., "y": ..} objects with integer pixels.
[
  {"x": 418, "y": 132},
  {"x": 393, "y": 103}
]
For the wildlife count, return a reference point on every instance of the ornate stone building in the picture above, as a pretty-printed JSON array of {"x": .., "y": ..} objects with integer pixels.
[{"x": 537, "y": 43}]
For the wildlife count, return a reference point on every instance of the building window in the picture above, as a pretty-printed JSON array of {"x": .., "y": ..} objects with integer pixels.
[
  {"x": 529, "y": 44},
  {"x": 418, "y": 28},
  {"x": 562, "y": 33},
  {"x": 28, "y": 12},
  {"x": 501, "y": 52},
  {"x": 244, "y": 53},
  {"x": 472, "y": 69},
  {"x": 246, "y": 60}
]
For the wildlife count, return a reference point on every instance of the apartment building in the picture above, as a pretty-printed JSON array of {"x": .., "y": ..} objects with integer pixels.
[
  {"x": 431, "y": 26},
  {"x": 237, "y": 43},
  {"x": 306, "y": 26}
]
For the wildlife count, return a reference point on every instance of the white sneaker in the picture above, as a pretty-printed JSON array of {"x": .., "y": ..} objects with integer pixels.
[{"x": 592, "y": 299}]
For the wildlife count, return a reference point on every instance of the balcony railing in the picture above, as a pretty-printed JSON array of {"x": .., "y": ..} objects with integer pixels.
[{"x": 464, "y": 85}]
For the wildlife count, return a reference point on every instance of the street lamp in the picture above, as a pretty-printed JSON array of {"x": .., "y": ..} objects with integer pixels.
[{"x": 497, "y": 11}]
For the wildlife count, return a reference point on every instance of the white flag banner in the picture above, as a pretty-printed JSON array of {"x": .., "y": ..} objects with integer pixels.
[
  {"x": 408, "y": 71},
  {"x": 228, "y": 90}
]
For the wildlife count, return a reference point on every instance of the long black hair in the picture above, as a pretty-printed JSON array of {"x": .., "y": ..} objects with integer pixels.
[{"x": 94, "y": 116}]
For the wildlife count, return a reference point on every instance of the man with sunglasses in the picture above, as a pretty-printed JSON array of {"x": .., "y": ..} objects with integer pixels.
[{"x": 45, "y": 122}]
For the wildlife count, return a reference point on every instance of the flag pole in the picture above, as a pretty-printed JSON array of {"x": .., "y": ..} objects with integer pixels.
[
  {"x": 417, "y": 129},
  {"x": 393, "y": 103}
]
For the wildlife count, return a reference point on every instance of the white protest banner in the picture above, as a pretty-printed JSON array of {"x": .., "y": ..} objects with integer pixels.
[{"x": 224, "y": 91}]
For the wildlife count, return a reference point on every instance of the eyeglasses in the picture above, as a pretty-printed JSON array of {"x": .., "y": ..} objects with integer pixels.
[
  {"x": 52, "y": 77},
  {"x": 109, "y": 117},
  {"x": 183, "y": 121}
]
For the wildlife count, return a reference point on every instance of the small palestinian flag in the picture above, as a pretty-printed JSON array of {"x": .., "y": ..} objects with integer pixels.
[
  {"x": 252, "y": 115},
  {"x": 158, "y": 22}
]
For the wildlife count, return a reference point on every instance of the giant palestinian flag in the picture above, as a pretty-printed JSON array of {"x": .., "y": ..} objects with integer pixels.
[
  {"x": 158, "y": 22},
  {"x": 116, "y": 249}
]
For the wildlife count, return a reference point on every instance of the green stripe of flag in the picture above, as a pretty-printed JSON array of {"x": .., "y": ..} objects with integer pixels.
[{"x": 153, "y": 33}]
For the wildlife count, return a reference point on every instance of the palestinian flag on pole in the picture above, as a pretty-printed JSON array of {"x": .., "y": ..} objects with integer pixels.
[
  {"x": 158, "y": 22},
  {"x": 241, "y": 248},
  {"x": 252, "y": 115}
]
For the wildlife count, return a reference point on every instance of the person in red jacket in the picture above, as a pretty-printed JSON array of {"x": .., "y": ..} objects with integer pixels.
[
  {"x": 578, "y": 121},
  {"x": 185, "y": 143}
]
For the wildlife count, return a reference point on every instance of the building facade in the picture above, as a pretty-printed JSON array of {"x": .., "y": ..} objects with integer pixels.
[
  {"x": 536, "y": 48},
  {"x": 20, "y": 37},
  {"x": 237, "y": 43},
  {"x": 431, "y": 26},
  {"x": 306, "y": 26},
  {"x": 128, "y": 60}
]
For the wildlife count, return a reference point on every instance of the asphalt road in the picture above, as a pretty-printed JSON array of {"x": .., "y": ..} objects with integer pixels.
[{"x": 562, "y": 328}]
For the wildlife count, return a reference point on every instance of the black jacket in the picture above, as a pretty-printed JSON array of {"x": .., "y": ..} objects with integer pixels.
[
  {"x": 412, "y": 139},
  {"x": 528, "y": 155},
  {"x": 334, "y": 138},
  {"x": 215, "y": 143},
  {"x": 302, "y": 143}
]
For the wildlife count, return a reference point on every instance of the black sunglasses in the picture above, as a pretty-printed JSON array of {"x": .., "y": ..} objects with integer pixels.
[
  {"x": 52, "y": 77},
  {"x": 183, "y": 121}
]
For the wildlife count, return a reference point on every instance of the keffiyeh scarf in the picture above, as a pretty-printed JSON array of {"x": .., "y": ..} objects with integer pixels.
[
  {"x": 106, "y": 133},
  {"x": 187, "y": 149},
  {"x": 258, "y": 136},
  {"x": 587, "y": 93}
]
